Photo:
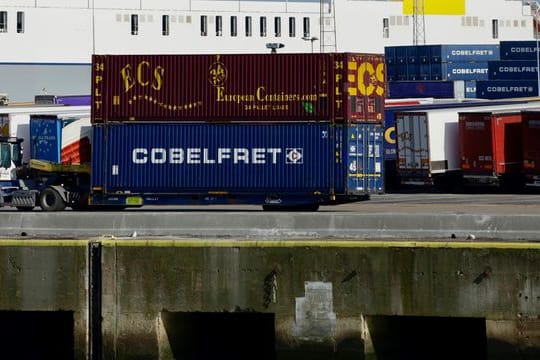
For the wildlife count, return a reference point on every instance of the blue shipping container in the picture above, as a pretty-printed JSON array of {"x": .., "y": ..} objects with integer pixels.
[
  {"x": 412, "y": 54},
  {"x": 419, "y": 89},
  {"x": 73, "y": 100},
  {"x": 413, "y": 72},
  {"x": 424, "y": 54},
  {"x": 459, "y": 71},
  {"x": 464, "y": 52},
  {"x": 470, "y": 89},
  {"x": 501, "y": 89},
  {"x": 390, "y": 55},
  {"x": 518, "y": 50},
  {"x": 401, "y": 54},
  {"x": 299, "y": 158},
  {"x": 513, "y": 70}
]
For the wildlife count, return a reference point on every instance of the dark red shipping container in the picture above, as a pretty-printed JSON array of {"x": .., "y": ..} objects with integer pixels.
[
  {"x": 490, "y": 144},
  {"x": 531, "y": 146},
  {"x": 238, "y": 87}
]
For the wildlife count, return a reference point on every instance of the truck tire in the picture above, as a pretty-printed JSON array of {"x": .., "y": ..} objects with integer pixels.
[{"x": 50, "y": 200}]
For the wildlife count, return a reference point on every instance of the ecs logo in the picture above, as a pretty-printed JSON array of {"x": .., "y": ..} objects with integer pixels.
[{"x": 294, "y": 156}]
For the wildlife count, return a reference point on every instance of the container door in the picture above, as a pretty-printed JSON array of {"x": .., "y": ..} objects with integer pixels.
[
  {"x": 507, "y": 143},
  {"x": 475, "y": 143},
  {"x": 412, "y": 142},
  {"x": 365, "y": 158},
  {"x": 531, "y": 145}
]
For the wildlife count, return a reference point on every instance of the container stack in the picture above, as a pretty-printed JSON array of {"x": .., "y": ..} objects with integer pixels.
[
  {"x": 438, "y": 71},
  {"x": 514, "y": 75},
  {"x": 274, "y": 129}
]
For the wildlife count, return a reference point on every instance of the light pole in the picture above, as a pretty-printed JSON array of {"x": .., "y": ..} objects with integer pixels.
[{"x": 312, "y": 39}]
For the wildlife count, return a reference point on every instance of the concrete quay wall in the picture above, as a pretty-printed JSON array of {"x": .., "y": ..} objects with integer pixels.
[{"x": 328, "y": 297}]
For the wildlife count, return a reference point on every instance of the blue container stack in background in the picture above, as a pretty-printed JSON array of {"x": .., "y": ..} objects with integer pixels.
[
  {"x": 514, "y": 75},
  {"x": 437, "y": 70},
  {"x": 504, "y": 70}
]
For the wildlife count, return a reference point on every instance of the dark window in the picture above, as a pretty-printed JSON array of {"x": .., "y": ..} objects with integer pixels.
[
  {"x": 204, "y": 25},
  {"x": 165, "y": 25},
  {"x": 134, "y": 24},
  {"x": 234, "y": 26},
  {"x": 306, "y": 27},
  {"x": 3, "y": 21},
  {"x": 219, "y": 26},
  {"x": 292, "y": 27},
  {"x": 386, "y": 28},
  {"x": 20, "y": 22},
  {"x": 248, "y": 26},
  {"x": 263, "y": 26},
  {"x": 277, "y": 26},
  {"x": 495, "y": 28}
]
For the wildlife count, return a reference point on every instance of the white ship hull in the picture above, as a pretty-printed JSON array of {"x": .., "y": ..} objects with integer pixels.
[{"x": 68, "y": 32}]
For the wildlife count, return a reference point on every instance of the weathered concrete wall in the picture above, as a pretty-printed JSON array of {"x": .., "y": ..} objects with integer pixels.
[
  {"x": 47, "y": 276},
  {"x": 319, "y": 292}
]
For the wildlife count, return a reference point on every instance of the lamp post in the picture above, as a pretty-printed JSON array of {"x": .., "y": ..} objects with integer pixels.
[
  {"x": 312, "y": 39},
  {"x": 274, "y": 46}
]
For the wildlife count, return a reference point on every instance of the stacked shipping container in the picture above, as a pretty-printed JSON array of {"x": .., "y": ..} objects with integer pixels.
[
  {"x": 438, "y": 71},
  {"x": 272, "y": 129}
]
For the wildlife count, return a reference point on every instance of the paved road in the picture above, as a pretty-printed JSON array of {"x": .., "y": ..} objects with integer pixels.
[{"x": 432, "y": 216}]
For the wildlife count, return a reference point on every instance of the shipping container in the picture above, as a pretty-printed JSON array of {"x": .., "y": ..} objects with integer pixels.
[
  {"x": 60, "y": 140},
  {"x": 518, "y": 50},
  {"x": 424, "y": 54},
  {"x": 420, "y": 89},
  {"x": 15, "y": 120},
  {"x": 412, "y": 54},
  {"x": 428, "y": 142},
  {"x": 400, "y": 54},
  {"x": 238, "y": 87},
  {"x": 530, "y": 135},
  {"x": 490, "y": 147},
  {"x": 503, "y": 89},
  {"x": 464, "y": 53},
  {"x": 73, "y": 100},
  {"x": 390, "y": 55},
  {"x": 459, "y": 71},
  {"x": 426, "y": 147},
  {"x": 145, "y": 163},
  {"x": 413, "y": 72},
  {"x": 470, "y": 89},
  {"x": 513, "y": 70}
]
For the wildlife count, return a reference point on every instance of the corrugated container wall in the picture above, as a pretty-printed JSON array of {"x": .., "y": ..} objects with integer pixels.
[
  {"x": 501, "y": 89},
  {"x": 418, "y": 89},
  {"x": 518, "y": 50},
  {"x": 530, "y": 145},
  {"x": 513, "y": 70},
  {"x": 490, "y": 143},
  {"x": 238, "y": 87},
  {"x": 172, "y": 158}
]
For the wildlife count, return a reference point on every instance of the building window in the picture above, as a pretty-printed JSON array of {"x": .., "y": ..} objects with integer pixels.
[
  {"x": 495, "y": 29},
  {"x": 277, "y": 26},
  {"x": 248, "y": 26},
  {"x": 292, "y": 27},
  {"x": 204, "y": 25},
  {"x": 386, "y": 28},
  {"x": 219, "y": 26},
  {"x": 234, "y": 26},
  {"x": 134, "y": 24},
  {"x": 165, "y": 25},
  {"x": 20, "y": 22},
  {"x": 3, "y": 21},
  {"x": 263, "y": 26},
  {"x": 306, "y": 27}
]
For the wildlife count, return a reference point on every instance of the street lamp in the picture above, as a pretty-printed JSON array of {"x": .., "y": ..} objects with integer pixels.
[
  {"x": 312, "y": 39},
  {"x": 274, "y": 47}
]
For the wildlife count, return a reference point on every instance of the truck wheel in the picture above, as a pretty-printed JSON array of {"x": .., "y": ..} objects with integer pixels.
[{"x": 50, "y": 200}]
